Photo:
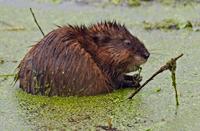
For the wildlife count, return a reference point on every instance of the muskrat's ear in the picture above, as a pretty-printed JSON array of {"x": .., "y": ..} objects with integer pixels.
[{"x": 101, "y": 39}]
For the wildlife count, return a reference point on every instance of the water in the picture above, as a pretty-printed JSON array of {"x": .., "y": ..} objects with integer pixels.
[{"x": 149, "y": 110}]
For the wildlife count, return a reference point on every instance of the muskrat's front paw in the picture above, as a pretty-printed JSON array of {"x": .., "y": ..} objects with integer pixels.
[
  {"x": 136, "y": 80},
  {"x": 132, "y": 80},
  {"x": 127, "y": 84}
]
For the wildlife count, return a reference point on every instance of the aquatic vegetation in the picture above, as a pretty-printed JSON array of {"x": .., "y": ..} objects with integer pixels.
[
  {"x": 129, "y": 3},
  {"x": 2, "y": 60},
  {"x": 169, "y": 24},
  {"x": 68, "y": 112},
  {"x": 151, "y": 110}
]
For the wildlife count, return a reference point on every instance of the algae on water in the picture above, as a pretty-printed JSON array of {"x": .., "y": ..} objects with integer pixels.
[
  {"x": 148, "y": 111},
  {"x": 168, "y": 24},
  {"x": 57, "y": 113}
]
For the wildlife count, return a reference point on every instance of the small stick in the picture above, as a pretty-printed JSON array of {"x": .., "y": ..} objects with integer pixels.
[
  {"x": 36, "y": 21},
  {"x": 170, "y": 65},
  {"x": 7, "y": 75}
]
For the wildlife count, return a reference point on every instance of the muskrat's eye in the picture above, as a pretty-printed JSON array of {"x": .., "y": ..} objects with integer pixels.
[{"x": 127, "y": 43}]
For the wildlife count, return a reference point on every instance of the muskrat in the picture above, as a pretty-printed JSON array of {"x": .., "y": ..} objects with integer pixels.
[{"x": 81, "y": 61}]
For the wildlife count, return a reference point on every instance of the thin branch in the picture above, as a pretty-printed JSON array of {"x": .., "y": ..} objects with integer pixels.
[
  {"x": 171, "y": 65},
  {"x": 36, "y": 21},
  {"x": 7, "y": 75}
]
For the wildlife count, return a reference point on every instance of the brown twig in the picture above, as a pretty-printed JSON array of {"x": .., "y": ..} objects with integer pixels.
[
  {"x": 35, "y": 20},
  {"x": 170, "y": 65}
]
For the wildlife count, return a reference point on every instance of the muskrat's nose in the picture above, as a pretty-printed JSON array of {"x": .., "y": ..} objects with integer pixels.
[{"x": 146, "y": 54}]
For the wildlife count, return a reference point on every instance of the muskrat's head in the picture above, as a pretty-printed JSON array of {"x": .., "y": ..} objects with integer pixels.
[{"x": 118, "y": 48}]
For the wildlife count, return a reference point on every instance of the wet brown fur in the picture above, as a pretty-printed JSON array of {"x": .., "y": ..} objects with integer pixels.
[{"x": 69, "y": 61}]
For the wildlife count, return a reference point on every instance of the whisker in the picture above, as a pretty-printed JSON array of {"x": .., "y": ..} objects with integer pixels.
[
  {"x": 158, "y": 53},
  {"x": 154, "y": 49},
  {"x": 155, "y": 58}
]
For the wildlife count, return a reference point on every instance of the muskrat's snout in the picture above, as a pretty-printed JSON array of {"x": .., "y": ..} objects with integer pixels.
[
  {"x": 141, "y": 55},
  {"x": 142, "y": 51},
  {"x": 145, "y": 54}
]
